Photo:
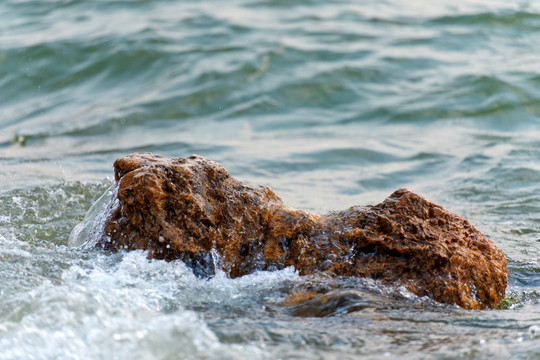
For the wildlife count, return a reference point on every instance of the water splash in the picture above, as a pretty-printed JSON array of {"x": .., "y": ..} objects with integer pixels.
[
  {"x": 92, "y": 229},
  {"x": 122, "y": 306}
]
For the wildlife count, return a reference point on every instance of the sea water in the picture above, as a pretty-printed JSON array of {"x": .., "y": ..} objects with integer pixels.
[{"x": 330, "y": 103}]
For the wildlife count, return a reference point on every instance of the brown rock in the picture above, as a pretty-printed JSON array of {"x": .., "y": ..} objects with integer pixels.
[{"x": 192, "y": 209}]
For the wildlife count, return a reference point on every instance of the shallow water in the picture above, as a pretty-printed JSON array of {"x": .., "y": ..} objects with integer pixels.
[{"x": 332, "y": 104}]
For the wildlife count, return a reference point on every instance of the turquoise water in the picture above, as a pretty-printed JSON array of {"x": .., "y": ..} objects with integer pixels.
[{"x": 331, "y": 103}]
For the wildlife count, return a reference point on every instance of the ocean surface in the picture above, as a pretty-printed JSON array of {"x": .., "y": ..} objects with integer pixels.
[{"x": 330, "y": 103}]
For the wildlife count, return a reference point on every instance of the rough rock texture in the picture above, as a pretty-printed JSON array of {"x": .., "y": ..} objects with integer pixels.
[{"x": 192, "y": 209}]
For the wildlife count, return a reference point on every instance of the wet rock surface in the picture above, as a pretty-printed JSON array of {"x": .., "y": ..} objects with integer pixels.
[{"x": 192, "y": 209}]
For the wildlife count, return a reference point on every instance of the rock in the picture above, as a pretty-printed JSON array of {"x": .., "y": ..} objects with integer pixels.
[
  {"x": 192, "y": 209},
  {"x": 331, "y": 303}
]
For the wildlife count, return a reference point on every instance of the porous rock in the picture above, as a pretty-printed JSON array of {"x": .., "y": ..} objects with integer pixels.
[{"x": 192, "y": 209}]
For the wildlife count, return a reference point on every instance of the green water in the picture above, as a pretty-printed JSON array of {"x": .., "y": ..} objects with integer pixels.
[{"x": 330, "y": 103}]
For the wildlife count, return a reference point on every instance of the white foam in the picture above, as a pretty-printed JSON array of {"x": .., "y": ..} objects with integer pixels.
[{"x": 122, "y": 306}]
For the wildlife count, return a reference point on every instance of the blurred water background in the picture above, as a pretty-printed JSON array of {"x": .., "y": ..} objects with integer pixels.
[{"x": 330, "y": 103}]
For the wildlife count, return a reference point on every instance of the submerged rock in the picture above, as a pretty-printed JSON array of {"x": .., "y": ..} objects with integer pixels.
[{"x": 192, "y": 209}]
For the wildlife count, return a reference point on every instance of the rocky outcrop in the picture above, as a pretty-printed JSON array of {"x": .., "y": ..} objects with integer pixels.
[{"x": 192, "y": 209}]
